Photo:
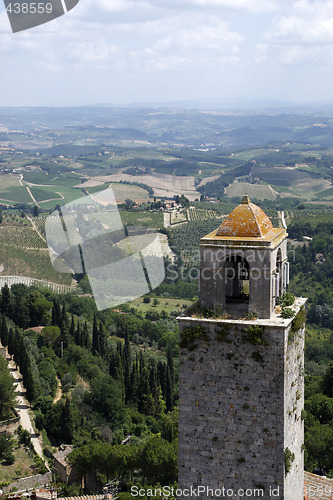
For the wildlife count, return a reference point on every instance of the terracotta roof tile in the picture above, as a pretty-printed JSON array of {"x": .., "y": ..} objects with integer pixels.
[
  {"x": 247, "y": 221},
  {"x": 318, "y": 487}
]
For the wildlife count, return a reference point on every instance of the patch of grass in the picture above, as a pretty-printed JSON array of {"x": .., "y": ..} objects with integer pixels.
[
  {"x": 149, "y": 219},
  {"x": 22, "y": 467},
  {"x": 165, "y": 304}
]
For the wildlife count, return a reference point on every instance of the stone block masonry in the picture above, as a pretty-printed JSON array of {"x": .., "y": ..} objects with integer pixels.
[{"x": 241, "y": 400}]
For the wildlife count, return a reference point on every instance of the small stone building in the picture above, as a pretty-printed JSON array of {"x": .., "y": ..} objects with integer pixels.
[{"x": 64, "y": 470}]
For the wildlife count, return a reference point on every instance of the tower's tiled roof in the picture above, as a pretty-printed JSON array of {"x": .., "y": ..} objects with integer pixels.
[
  {"x": 317, "y": 487},
  {"x": 247, "y": 221}
]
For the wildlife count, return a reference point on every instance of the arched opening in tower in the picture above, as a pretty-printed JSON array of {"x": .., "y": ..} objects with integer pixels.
[
  {"x": 278, "y": 275},
  {"x": 237, "y": 283}
]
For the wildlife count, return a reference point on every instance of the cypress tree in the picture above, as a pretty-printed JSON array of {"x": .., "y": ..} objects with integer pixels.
[
  {"x": 85, "y": 336},
  {"x": 11, "y": 341},
  {"x": 170, "y": 364},
  {"x": 141, "y": 363},
  {"x": 168, "y": 391},
  {"x": 4, "y": 331},
  {"x": 56, "y": 314},
  {"x": 152, "y": 380},
  {"x": 22, "y": 316},
  {"x": 132, "y": 393},
  {"x": 64, "y": 327},
  {"x": 72, "y": 328},
  {"x": 68, "y": 422},
  {"x": 161, "y": 376},
  {"x": 95, "y": 346},
  {"x": 146, "y": 402},
  {"x": 18, "y": 346},
  {"x": 6, "y": 301},
  {"x": 127, "y": 366},
  {"x": 101, "y": 340},
  {"x": 29, "y": 384},
  {"x": 78, "y": 334},
  {"x": 116, "y": 366}
]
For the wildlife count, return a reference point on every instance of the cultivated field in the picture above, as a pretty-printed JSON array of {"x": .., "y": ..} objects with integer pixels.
[
  {"x": 163, "y": 184},
  {"x": 199, "y": 214},
  {"x": 291, "y": 181},
  {"x": 122, "y": 192},
  {"x": 34, "y": 263},
  {"x": 258, "y": 191},
  {"x": 24, "y": 253}
]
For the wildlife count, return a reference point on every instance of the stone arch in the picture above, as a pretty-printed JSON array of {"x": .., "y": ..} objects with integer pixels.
[
  {"x": 279, "y": 273},
  {"x": 237, "y": 282}
]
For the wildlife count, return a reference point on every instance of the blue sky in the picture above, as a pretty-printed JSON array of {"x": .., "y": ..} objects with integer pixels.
[{"x": 125, "y": 51}]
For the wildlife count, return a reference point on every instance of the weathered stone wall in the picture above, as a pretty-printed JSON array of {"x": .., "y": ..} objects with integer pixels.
[
  {"x": 30, "y": 482},
  {"x": 294, "y": 404},
  {"x": 234, "y": 396}
]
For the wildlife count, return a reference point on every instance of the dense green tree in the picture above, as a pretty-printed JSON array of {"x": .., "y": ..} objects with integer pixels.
[
  {"x": 146, "y": 403},
  {"x": 168, "y": 391},
  {"x": 39, "y": 308},
  {"x": 321, "y": 407},
  {"x": 6, "y": 448},
  {"x": 85, "y": 336},
  {"x": 51, "y": 336},
  {"x": 11, "y": 341},
  {"x": 319, "y": 445},
  {"x": 158, "y": 461},
  {"x": 121, "y": 461},
  {"x": 101, "y": 340},
  {"x": 106, "y": 398},
  {"x": 116, "y": 365},
  {"x": 6, "y": 301},
  {"x": 328, "y": 381},
  {"x": 95, "y": 343},
  {"x": 56, "y": 313},
  {"x": 22, "y": 316},
  {"x": 68, "y": 422},
  {"x": 64, "y": 327},
  {"x": 72, "y": 329},
  {"x": 4, "y": 331},
  {"x": 7, "y": 388},
  {"x": 78, "y": 334}
]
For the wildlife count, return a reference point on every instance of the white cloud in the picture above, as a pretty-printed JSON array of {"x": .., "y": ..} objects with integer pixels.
[
  {"x": 302, "y": 35},
  {"x": 253, "y": 5},
  {"x": 205, "y": 37},
  {"x": 304, "y": 22}
]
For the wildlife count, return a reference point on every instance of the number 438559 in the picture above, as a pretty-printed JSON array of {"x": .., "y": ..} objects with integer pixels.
[{"x": 29, "y": 8}]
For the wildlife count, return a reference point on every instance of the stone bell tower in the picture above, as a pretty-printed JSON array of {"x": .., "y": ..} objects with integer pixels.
[{"x": 241, "y": 367}]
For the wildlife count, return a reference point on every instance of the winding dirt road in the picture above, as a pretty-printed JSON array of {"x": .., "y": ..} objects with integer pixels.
[{"x": 22, "y": 408}]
